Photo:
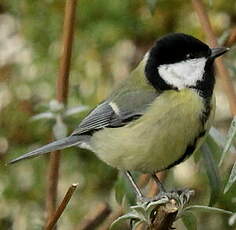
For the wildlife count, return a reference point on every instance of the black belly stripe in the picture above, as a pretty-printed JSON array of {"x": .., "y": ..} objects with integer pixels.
[
  {"x": 203, "y": 118},
  {"x": 188, "y": 152}
]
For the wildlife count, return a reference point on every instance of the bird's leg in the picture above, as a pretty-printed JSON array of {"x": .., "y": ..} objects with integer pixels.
[
  {"x": 158, "y": 182},
  {"x": 134, "y": 185}
]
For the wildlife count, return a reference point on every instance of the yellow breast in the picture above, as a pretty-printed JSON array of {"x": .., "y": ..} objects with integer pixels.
[{"x": 157, "y": 139}]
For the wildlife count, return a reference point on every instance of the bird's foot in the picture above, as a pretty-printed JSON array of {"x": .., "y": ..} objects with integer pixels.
[{"x": 181, "y": 196}]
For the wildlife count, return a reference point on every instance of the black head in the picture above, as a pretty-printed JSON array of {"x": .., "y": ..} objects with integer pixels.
[{"x": 179, "y": 54}]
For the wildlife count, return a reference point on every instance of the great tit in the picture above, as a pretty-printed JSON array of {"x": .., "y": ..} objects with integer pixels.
[{"x": 158, "y": 116}]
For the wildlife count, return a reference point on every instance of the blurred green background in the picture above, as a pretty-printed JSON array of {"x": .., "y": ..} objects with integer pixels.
[{"x": 110, "y": 38}]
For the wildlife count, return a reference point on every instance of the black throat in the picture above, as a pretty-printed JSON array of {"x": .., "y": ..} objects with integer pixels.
[{"x": 204, "y": 87}]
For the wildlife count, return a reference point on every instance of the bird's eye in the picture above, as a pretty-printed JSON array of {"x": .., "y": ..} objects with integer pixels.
[{"x": 189, "y": 55}]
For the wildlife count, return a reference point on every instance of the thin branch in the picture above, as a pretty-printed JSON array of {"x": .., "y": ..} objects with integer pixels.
[
  {"x": 231, "y": 39},
  {"x": 68, "y": 32},
  {"x": 223, "y": 72},
  {"x": 94, "y": 219},
  {"x": 53, "y": 174},
  {"x": 53, "y": 220},
  {"x": 165, "y": 216},
  {"x": 62, "y": 94}
]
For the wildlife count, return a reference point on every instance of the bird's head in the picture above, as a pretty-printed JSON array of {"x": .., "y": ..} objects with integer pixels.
[{"x": 179, "y": 61}]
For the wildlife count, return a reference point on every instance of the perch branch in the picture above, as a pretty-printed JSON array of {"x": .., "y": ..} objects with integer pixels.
[
  {"x": 54, "y": 218},
  {"x": 62, "y": 94},
  {"x": 165, "y": 216},
  {"x": 223, "y": 72}
]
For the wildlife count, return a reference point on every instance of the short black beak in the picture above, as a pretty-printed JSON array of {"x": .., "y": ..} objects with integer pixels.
[{"x": 216, "y": 52}]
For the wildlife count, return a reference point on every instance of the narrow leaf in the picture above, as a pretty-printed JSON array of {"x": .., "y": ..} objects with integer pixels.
[
  {"x": 230, "y": 137},
  {"x": 123, "y": 189},
  {"x": 75, "y": 110},
  {"x": 189, "y": 221},
  {"x": 232, "y": 179},
  {"x": 136, "y": 225},
  {"x": 216, "y": 150},
  {"x": 59, "y": 129},
  {"x": 213, "y": 174},
  {"x": 207, "y": 209},
  {"x": 121, "y": 219},
  {"x": 152, "y": 4},
  {"x": 232, "y": 219},
  {"x": 46, "y": 115}
]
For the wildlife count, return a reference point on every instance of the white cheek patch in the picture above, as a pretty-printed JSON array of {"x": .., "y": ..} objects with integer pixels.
[{"x": 183, "y": 74}]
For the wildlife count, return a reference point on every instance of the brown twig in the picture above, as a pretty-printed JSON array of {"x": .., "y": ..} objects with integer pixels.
[
  {"x": 231, "y": 39},
  {"x": 62, "y": 94},
  {"x": 165, "y": 216},
  {"x": 223, "y": 72},
  {"x": 53, "y": 220},
  {"x": 95, "y": 218}
]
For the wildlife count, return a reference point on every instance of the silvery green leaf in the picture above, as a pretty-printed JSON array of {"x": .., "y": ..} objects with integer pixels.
[
  {"x": 230, "y": 138},
  {"x": 212, "y": 173},
  {"x": 123, "y": 218},
  {"x": 232, "y": 219},
  {"x": 134, "y": 227},
  {"x": 156, "y": 203},
  {"x": 223, "y": 38},
  {"x": 55, "y": 106},
  {"x": 152, "y": 4},
  {"x": 59, "y": 129},
  {"x": 152, "y": 206},
  {"x": 139, "y": 209},
  {"x": 210, "y": 2},
  {"x": 189, "y": 220},
  {"x": 207, "y": 209},
  {"x": 74, "y": 110},
  {"x": 232, "y": 179},
  {"x": 123, "y": 189},
  {"x": 220, "y": 139},
  {"x": 46, "y": 115}
]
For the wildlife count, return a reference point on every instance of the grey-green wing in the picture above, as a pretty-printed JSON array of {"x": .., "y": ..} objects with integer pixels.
[{"x": 117, "y": 111}]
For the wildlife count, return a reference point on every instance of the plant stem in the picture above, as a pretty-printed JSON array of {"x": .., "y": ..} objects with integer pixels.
[
  {"x": 54, "y": 218},
  {"x": 223, "y": 72},
  {"x": 231, "y": 39},
  {"x": 61, "y": 95}
]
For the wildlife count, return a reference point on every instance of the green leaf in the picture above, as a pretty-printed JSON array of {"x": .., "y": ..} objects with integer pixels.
[
  {"x": 232, "y": 219},
  {"x": 230, "y": 138},
  {"x": 46, "y": 115},
  {"x": 123, "y": 218},
  {"x": 214, "y": 147},
  {"x": 217, "y": 142},
  {"x": 60, "y": 129},
  {"x": 232, "y": 179},
  {"x": 152, "y": 205},
  {"x": 75, "y": 110},
  {"x": 123, "y": 189},
  {"x": 189, "y": 221},
  {"x": 212, "y": 172},
  {"x": 207, "y": 209},
  {"x": 152, "y": 4},
  {"x": 134, "y": 227}
]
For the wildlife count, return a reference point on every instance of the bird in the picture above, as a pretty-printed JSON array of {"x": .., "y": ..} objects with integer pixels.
[{"x": 157, "y": 117}]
